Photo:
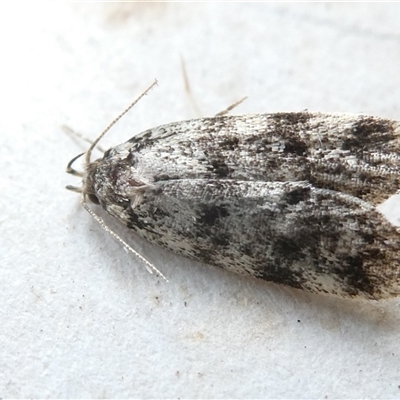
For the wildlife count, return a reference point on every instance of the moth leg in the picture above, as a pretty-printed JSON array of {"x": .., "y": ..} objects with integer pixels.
[
  {"x": 188, "y": 90},
  {"x": 192, "y": 100},
  {"x": 231, "y": 107}
]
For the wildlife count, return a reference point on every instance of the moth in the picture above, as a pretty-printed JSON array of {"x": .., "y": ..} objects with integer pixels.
[{"x": 285, "y": 197}]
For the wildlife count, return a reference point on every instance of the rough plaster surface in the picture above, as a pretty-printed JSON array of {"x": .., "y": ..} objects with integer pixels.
[{"x": 79, "y": 316}]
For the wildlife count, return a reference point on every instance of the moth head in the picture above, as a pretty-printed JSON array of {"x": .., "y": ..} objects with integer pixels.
[{"x": 87, "y": 189}]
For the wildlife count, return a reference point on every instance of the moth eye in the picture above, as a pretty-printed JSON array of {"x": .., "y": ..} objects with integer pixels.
[{"x": 93, "y": 198}]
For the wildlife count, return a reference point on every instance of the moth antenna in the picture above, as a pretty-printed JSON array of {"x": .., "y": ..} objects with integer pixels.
[
  {"x": 94, "y": 144},
  {"x": 149, "y": 265},
  {"x": 71, "y": 132}
]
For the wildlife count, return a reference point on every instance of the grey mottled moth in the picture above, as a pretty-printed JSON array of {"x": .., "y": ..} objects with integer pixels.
[{"x": 286, "y": 197}]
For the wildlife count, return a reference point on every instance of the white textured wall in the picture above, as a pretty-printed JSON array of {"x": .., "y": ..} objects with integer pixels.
[{"x": 81, "y": 318}]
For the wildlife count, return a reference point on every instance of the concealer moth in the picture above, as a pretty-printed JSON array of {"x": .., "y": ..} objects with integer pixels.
[{"x": 286, "y": 197}]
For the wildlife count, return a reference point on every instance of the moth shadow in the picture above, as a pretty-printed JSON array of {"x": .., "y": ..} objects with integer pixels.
[{"x": 333, "y": 312}]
